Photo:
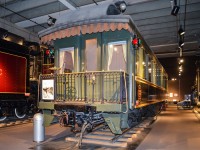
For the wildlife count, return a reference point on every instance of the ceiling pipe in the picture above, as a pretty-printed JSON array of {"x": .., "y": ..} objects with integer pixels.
[
  {"x": 22, "y": 16},
  {"x": 173, "y": 44},
  {"x": 95, "y": 2},
  {"x": 175, "y": 54},
  {"x": 67, "y": 4}
]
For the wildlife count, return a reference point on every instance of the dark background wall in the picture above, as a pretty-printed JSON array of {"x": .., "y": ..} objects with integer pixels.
[{"x": 187, "y": 78}]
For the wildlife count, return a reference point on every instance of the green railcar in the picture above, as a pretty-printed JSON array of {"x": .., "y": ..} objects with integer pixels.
[{"x": 104, "y": 71}]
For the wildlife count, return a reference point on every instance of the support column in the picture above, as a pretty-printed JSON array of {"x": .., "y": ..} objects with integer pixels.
[{"x": 130, "y": 72}]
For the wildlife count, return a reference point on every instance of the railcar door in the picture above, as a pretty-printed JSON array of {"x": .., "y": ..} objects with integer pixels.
[
  {"x": 91, "y": 65},
  {"x": 115, "y": 60},
  {"x": 66, "y": 60},
  {"x": 67, "y": 83},
  {"x": 116, "y": 56}
]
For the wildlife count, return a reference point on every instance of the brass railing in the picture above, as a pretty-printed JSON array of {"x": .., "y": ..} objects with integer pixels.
[{"x": 111, "y": 87}]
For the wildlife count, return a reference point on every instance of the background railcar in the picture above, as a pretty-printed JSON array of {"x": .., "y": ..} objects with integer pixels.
[
  {"x": 104, "y": 71},
  {"x": 196, "y": 88}
]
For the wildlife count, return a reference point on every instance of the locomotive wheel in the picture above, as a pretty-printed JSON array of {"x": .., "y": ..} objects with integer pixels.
[
  {"x": 2, "y": 114},
  {"x": 20, "y": 112}
]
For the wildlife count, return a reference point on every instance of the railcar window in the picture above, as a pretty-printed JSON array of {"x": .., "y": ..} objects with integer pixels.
[
  {"x": 116, "y": 56},
  {"x": 158, "y": 75},
  {"x": 161, "y": 76},
  {"x": 91, "y": 55},
  {"x": 66, "y": 60},
  {"x": 153, "y": 75},
  {"x": 141, "y": 64},
  {"x": 164, "y": 79},
  {"x": 149, "y": 68},
  {"x": 145, "y": 65},
  {"x": 137, "y": 63}
]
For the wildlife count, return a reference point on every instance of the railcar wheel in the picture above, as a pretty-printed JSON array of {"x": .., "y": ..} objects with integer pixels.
[
  {"x": 2, "y": 114},
  {"x": 89, "y": 128},
  {"x": 132, "y": 119},
  {"x": 20, "y": 112}
]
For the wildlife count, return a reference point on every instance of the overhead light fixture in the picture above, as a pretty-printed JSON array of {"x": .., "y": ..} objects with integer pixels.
[
  {"x": 51, "y": 21},
  {"x": 121, "y": 6},
  {"x": 180, "y": 60},
  {"x": 181, "y": 43},
  {"x": 180, "y": 67},
  {"x": 181, "y": 31},
  {"x": 5, "y": 35},
  {"x": 116, "y": 8},
  {"x": 173, "y": 79},
  {"x": 175, "y": 9}
]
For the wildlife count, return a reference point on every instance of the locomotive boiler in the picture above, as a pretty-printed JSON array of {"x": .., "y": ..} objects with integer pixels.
[{"x": 104, "y": 71}]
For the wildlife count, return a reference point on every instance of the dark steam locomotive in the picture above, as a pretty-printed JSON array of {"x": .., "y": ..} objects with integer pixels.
[{"x": 14, "y": 80}]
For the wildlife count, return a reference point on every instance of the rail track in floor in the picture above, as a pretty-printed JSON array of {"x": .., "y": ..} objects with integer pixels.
[
  {"x": 14, "y": 121},
  {"x": 104, "y": 137}
]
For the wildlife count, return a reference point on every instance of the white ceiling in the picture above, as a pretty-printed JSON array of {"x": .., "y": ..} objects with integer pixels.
[{"x": 153, "y": 18}]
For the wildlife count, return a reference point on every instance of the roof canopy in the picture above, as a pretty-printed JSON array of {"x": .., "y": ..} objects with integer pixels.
[{"x": 86, "y": 20}]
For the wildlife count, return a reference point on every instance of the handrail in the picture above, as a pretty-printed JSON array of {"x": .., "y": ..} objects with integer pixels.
[{"x": 90, "y": 87}]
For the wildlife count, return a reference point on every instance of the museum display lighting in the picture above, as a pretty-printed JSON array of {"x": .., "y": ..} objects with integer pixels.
[
  {"x": 173, "y": 79},
  {"x": 5, "y": 35},
  {"x": 51, "y": 21},
  {"x": 180, "y": 67},
  {"x": 181, "y": 43},
  {"x": 116, "y": 8},
  {"x": 121, "y": 6},
  {"x": 175, "y": 8},
  {"x": 149, "y": 70},
  {"x": 181, "y": 31},
  {"x": 180, "y": 61},
  {"x": 180, "y": 70}
]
